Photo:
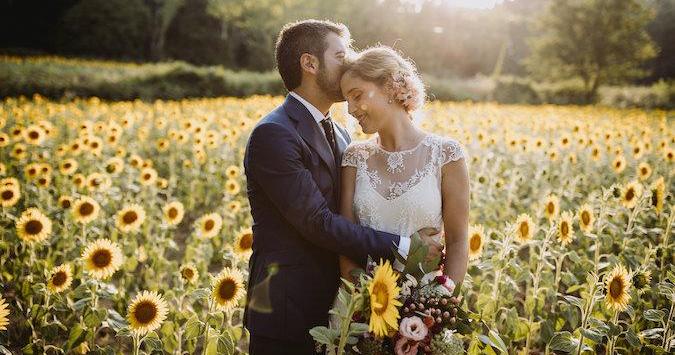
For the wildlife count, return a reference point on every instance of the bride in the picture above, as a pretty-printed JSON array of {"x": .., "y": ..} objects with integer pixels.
[{"x": 402, "y": 179}]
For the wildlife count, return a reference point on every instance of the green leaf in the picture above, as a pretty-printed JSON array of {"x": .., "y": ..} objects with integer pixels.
[
  {"x": 654, "y": 315},
  {"x": 322, "y": 335},
  {"x": 562, "y": 341},
  {"x": 497, "y": 341},
  {"x": 116, "y": 321},
  {"x": 152, "y": 341},
  {"x": 633, "y": 339},
  {"x": 192, "y": 327},
  {"x": 76, "y": 336},
  {"x": 654, "y": 333},
  {"x": 575, "y": 301},
  {"x": 592, "y": 334}
]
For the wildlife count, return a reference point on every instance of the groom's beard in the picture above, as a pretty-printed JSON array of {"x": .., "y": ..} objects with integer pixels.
[{"x": 331, "y": 87}]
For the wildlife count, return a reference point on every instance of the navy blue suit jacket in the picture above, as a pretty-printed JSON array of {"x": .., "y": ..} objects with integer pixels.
[{"x": 293, "y": 188}]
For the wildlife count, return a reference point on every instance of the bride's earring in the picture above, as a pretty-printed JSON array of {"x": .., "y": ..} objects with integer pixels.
[{"x": 390, "y": 101}]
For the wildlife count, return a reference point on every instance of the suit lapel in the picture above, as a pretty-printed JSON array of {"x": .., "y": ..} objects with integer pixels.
[{"x": 309, "y": 131}]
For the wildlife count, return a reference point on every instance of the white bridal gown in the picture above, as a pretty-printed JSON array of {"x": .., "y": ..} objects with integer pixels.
[{"x": 400, "y": 192}]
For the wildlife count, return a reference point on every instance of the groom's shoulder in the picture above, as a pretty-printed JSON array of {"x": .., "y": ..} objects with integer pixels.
[{"x": 276, "y": 120}]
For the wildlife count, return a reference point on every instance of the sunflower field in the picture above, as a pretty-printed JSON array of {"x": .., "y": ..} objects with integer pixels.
[{"x": 125, "y": 227}]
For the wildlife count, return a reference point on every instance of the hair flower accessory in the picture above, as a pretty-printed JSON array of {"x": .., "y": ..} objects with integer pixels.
[{"x": 404, "y": 89}]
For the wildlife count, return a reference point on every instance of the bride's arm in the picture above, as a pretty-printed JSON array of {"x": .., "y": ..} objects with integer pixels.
[
  {"x": 455, "y": 193},
  {"x": 348, "y": 184}
]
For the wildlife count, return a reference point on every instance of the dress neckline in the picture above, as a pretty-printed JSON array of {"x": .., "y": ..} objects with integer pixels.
[{"x": 377, "y": 145}]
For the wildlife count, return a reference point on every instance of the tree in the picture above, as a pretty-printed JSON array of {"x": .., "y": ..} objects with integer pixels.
[
  {"x": 598, "y": 41},
  {"x": 162, "y": 13}
]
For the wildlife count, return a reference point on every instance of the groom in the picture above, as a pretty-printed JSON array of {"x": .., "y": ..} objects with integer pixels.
[{"x": 292, "y": 165}]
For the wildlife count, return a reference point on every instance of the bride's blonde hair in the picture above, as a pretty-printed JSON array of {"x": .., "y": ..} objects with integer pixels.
[{"x": 398, "y": 76}]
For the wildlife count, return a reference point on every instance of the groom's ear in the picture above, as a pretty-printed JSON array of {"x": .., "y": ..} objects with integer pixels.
[{"x": 309, "y": 63}]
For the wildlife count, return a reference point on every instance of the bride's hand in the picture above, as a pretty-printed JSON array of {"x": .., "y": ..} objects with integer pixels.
[{"x": 431, "y": 237}]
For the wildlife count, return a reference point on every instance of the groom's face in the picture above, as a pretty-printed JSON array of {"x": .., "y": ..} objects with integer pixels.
[{"x": 332, "y": 66}]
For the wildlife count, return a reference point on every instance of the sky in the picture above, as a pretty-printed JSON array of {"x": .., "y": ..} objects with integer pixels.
[{"x": 474, "y": 4}]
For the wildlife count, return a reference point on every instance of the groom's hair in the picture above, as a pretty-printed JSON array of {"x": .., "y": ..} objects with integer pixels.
[{"x": 296, "y": 38}]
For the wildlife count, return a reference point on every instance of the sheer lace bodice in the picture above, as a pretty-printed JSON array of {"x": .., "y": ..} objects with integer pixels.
[{"x": 400, "y": 192}]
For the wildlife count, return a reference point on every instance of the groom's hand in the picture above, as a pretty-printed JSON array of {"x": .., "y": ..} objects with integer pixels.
[{"x": 431, "y": 237}]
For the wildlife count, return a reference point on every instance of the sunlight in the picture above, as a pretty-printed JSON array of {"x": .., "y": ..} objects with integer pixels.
[{"x": 474, "y": 4}]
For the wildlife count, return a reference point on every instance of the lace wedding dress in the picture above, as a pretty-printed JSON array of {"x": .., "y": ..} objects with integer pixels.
[{"x": 400, "y": 192}]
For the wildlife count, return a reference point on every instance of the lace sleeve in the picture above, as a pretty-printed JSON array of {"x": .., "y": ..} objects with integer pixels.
[
  {"x": 351, "y": 156},
  {"x": 451, "y": 150}
]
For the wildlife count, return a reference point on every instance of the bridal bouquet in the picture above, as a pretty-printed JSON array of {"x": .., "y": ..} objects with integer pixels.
[{"x": 416, "y": 311}]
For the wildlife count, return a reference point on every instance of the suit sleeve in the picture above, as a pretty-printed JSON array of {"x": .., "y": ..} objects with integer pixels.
[{"x": 276, "y": 165}]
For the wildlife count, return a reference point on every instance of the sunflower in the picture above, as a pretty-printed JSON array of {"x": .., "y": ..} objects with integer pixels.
[
  {"x": 630, "y": 194},
  {"x": 19, "y": 151},
  {"x": 244, "y": 243},
  {"x": 658, "y": 191},
  {"x": 525, "y": 228},
  {"x": 98, "y": 181},
  {"x": 232, "y": 172},
  {"x": 60, "y": 279},
  {"x": 9, "y": 195},
  {"x": 68, "y": 166},
  {"x": 383, "y": 293},
  {"x": 33, "y": 226},
  {"x": 586, "y": 218},
  {"x": 65, "y": 202},
  {"x": 227, "y": 289},
  {"x": 44, "y": 181},
  {"x": 114, "y": 165},
  {"x": 78, "y": 180},
  {"x": 146, "y": 312},
  {"x": 209, "y": 225},
  {"x": 148, "y": 176},
  {"x": 669, "y": 155},
  {"x": 189, "y": 273},
  {"x": 642, "y": 280},
  {"x": 617, "y": 283},
  {"x": 233, "y": 207},
  {"x": 34, "y": 135},
  {"x": 551, "y": 206},
  {"x": 85, "y": 210},
  {"x": 130, "y": 218},
  {"x": 102, "y": 258},
  {"x": 644, "y": 171},
  {"x": 232, "y": 187},
  {"x": 4, "y": 314},
  {"x": 173, "y": 212},
  {"x": 565, "y": 229},
  {"x": 31, "y": 171},
  {"x": 476, "y": 240},
  {"x": 4, "y": 140},
  {"x": 619, "y": 164}
]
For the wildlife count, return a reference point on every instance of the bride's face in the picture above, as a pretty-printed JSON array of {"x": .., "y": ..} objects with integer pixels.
[{"x": 366, "y": 101}]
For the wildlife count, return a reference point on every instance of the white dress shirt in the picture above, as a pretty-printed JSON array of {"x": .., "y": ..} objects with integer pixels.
[{"x": 404, "y": 242}]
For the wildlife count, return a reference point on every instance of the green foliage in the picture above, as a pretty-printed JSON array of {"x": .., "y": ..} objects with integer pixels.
[{"x": 598, "y": 41}]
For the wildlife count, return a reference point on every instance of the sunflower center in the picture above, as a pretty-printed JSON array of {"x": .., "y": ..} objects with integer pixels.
[
  {"x": 564, "y": 228},
  {"x": 630, "y": 194},
  {"x": 524, "y": 229},
  {"x": 86, "y": 209},
  {"x": 550, "y": 207},
  {"x": 130, "y": 217},
  {"x": 644, "y": 171},
  {"x": 147, "y": 176},
  {"x": 616, "y": 287},
  {"x": 246, "y": 241},
  {"x": 7, "y": 194},
  {"x": 34, "y": 135},
  {"x": 209, "y": 225},
  {"x": 381, "y": 295},
  {"x": 65, "y": 204},
  {"x": 173, "y": 212},
  {"x": 227, "y": 289},
  {"x": 188, "y": 273},
  {"x": 59, "y": 278},
  {"x": 101, "y": 258},
  {"x": 33, "y": 227},
  {"x": 145, "y": 312},
  {"x": 475, "y": 242},
  {"x": 585, "y": 217}
]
